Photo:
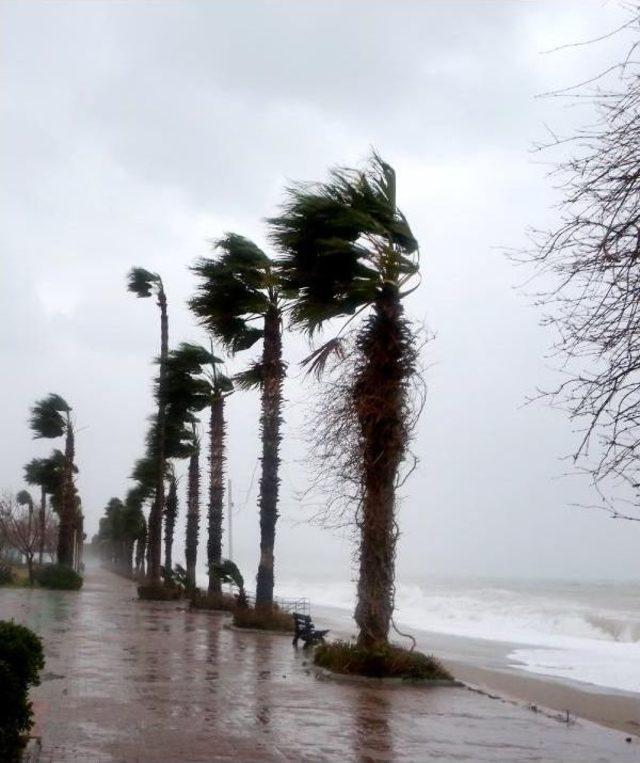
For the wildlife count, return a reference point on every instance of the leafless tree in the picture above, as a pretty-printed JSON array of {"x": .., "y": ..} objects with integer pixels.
[
  {"x": 18, "y": 529},
  {"x": 593, "y": 259}
]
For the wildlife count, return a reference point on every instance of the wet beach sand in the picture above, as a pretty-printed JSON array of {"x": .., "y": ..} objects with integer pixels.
[{"x": 145, "y": 681}]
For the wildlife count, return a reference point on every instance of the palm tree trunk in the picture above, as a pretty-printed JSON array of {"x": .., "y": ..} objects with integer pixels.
[
  {"x": 42, "y": 522},
  {"x": 273, "y": 373},
  {"x": 216, "y": 489},
  {"x": 154, "y": 539},
  {"x": 171, "y": 512},
  {"x": 67, "y": 507},
  {"x": 141, "y": 547},
  {"x": 379, "y": 389},
  {"x": 193, "y": 518}
]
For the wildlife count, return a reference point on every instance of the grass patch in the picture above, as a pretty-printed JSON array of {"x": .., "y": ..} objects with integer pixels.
[
  {"x": 159, "y": 592},
  {"x": 386, "y": 661},
  {"x": 58, "y": 577},
  {"x": 222, "y": 602},
  {"x": 266, "y": 619}
]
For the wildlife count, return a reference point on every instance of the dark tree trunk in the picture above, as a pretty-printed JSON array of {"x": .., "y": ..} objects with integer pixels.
[
  {"x": 170, "y": 514},
  {"x": 379, "y": 400},
  {"x": 78, "y": 540},
  {"x": 273, "y": 374},
  {"x": 129, "y": 556},
  {"x": 193, "y": 518},
  {"x": 141, "y": 547},
  {"x": 42, "y": 522},
  {"x": 216, "y": 488},
  {"x": 154, "y": 539},
  {"x": 67, "y": 504}
]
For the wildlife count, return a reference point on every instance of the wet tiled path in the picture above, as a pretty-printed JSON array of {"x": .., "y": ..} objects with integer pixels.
[{"x": 140, "y": 681}]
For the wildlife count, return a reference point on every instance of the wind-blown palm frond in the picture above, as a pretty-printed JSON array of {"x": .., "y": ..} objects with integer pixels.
[
  {"x": 144, "y": 474},
  {"x": 227, "y": 572},
  {"x": 47, "y": 472},
  {"x": 142, "y": 282},
  {"x": 341, "y": 241},
  {"x": 233, "y": 291},
  {"x": 251, "y": 378},
  {"x": 47, "y": 419},
  {"x": 316, "y": 362}
]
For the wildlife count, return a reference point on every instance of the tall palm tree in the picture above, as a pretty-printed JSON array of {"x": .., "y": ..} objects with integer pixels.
[
  {"x": 347, "y": 250},
  {"x": 144, "y": 284},
  {"x": 240, "y": 301},
  {"x": 51, "y": 418},
  {"x": 197, "y": 379}
]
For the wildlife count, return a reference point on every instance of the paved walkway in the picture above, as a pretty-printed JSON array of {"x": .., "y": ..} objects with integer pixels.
[{"x": 141, "y": 681}]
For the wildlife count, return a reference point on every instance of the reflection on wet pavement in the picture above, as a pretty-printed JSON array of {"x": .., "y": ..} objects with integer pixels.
[{"x": 150, "y": 681}]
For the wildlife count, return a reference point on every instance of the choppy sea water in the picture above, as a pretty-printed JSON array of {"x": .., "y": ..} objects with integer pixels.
[{"x": 588, "y": 632}]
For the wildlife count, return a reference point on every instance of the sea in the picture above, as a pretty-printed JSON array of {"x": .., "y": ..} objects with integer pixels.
[{"x": 586, "y": 632}]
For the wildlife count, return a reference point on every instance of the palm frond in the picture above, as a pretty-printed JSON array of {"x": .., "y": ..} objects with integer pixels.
[
  {"x": 227, "y": 571},
  {"x": 316, "y": 362},
  {"x": 233, "y": 290},
  {"x": 251, "y": 378},
  {"x": 340, "y": 242},
  {"x": 142, "y": 282},
  {"x": 47, "y": 419}
]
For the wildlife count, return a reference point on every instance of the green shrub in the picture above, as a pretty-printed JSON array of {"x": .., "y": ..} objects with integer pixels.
[
  {"x": 6, "y": 574},
  {"x": 222, "y": 602},
  {"x": 159, "y": 592},
  {"x": 58, "y": 576},
  {"x": 267, "y": 619},
  {"x": 21, "y": 659},
  {"x": 385, "y": 661}
]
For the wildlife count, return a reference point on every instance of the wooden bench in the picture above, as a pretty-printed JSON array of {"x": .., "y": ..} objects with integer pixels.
[{"x": 305, "y": 631}]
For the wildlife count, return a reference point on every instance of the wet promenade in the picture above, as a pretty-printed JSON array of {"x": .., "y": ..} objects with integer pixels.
[{"x": 141, "y": 681}]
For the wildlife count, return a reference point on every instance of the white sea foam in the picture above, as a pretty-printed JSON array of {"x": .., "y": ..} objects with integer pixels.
[{"x": 583, "y": 632}]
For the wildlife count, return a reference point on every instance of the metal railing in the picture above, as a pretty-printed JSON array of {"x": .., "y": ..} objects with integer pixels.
[{"x": 302, "y": 605}]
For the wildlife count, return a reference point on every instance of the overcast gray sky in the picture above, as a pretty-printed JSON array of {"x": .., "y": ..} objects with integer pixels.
[{"x": 133, "y": 132}]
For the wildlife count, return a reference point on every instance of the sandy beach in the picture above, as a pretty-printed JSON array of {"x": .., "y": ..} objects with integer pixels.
[{"x": 143, "y": 681}]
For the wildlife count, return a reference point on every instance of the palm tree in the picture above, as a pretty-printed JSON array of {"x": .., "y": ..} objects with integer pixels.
[
  {"x": 144, "y": 284},
  {"x": 347, "y": 250},
  {"x": 43, "y": 473},
  {"x": 238, "y": 289},
  {"x": 196, "y": 378},
  {"x": 51, "y": 418}
]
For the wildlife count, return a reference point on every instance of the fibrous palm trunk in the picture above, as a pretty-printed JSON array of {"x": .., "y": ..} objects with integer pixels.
[
  {"x": 216, "y": 489},
  {"x": 379, "y": 402},
  {"x": 141, "y": 546},
  {"x": 273, "y": 373},
  {"x": 193, "y": 518},
  {"x": 154, "y": 539},
  {"x": 67, "y": 503},
  {"x": 42, "y": 521},
  {"x": 170, "y": 514}
]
